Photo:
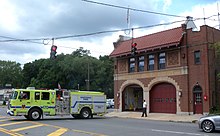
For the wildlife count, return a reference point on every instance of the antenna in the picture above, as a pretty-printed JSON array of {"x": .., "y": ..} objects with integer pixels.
[
  {"x": 128, "y": 21},
  {"x": 128, "y": 17},
  {"x": 204, "y": 15},
  {"x": 218, "y": 16}
]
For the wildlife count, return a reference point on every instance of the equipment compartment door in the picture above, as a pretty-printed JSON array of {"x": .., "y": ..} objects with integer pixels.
[
  {"x": 74, "y": 104},
  {"x": 47, "y": 102},
  {"x": 99, "y": 104}
]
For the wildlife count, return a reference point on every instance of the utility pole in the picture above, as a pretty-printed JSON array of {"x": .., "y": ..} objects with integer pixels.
[{"x": 88, "y": 78}]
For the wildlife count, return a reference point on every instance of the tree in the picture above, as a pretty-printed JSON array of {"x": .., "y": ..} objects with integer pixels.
[
  {"x": 105, "y": 76},
  {"x": 10, "y": 73},
  {"x": 71, "y": 71},
  {"x": 216, "y": 48},
  {"x": 30, "y": 71},
  {"x": 81, "y": 52}
]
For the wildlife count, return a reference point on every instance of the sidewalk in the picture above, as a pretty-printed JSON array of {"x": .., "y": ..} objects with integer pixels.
[
  {"x": 152, "y": 116},
  {"x": 156, "y": 116}
]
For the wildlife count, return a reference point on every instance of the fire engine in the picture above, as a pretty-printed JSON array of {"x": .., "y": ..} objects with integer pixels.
[{"x": 33, "y": 104}]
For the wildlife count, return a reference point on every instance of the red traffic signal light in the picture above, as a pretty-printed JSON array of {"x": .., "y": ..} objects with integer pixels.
[
  {"x": 53, "y": 48},
  {"x": 134, "y": 44},
  {"x": 133, "y": 49},
  {"x": 53, "y": 52}
]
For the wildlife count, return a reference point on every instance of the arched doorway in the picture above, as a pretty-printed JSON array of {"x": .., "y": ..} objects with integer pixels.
[
  {"x": 197, "y": 100},
  {"x": 163, "y": 98},
  {"x": 132, "y": 98}
]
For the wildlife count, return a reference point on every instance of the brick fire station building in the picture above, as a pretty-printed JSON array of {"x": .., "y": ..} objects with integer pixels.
[{"x": 174, "y": 70}]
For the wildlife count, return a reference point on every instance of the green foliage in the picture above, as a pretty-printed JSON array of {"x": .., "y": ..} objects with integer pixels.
[
  {"x": 70, "y": 71},
  {"x": 215, "y": 110},
  {"x": 216, "y": 47},
  {"x": 10, "y": 73}
]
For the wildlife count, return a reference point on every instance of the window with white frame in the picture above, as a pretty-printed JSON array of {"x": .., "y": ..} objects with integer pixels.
[
  {"x": 132, "y": 65},
  {"x": 141, "y": 63},
  {"x": 162, "y": 60},
  {"x": 151, "y": 62}
]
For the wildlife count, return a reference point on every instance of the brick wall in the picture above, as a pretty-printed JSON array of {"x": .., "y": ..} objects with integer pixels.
[{"x": 204, "y": 73}]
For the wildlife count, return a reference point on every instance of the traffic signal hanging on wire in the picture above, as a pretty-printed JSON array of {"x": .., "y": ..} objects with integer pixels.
[
  {"x": 133, "y": 49},
  {"x": 53, "y": 52}
]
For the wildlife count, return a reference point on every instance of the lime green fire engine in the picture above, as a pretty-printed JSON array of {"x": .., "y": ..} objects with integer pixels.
[{"x": 33, "y": 104}]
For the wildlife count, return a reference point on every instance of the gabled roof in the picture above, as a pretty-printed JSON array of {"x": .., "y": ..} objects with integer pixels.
[{"x": 161, "y": 39}]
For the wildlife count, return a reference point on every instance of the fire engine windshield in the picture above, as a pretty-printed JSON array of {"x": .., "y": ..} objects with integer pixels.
[{"x": 14, "y": 95}]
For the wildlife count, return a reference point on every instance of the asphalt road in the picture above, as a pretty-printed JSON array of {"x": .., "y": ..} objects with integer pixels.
[{"x": 99, "y": 126}]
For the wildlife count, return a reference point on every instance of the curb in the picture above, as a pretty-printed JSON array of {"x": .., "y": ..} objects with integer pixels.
[{"x": 178, "y": 119}]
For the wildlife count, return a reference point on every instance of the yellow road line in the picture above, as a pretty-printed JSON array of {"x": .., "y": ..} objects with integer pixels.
[
  {"x": 58, "y": 132},
  {"x": 74, "y": 130},
  {"x": 90, "y": 133},
  {"x": 9, "y": 132},
  {"x": 24, "y": 128},
  {"x": 3, "y": 120},
  {"x": 13, "y": 123},
  {"x": 3, "y": 117}
]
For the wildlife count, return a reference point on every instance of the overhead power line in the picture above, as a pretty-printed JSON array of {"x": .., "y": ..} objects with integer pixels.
[
  {"x": 88, "y": 34},
  {"x": 139, "y": 10},
  {"x": 34, "y": 40},
  {"x": 11, "y": 39},
  {"x": 16, "y": 39}
]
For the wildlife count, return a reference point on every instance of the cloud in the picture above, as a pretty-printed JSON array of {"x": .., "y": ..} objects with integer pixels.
[
  {"x": 201, "y": 11},
  {"x": 55, "y": 18}
]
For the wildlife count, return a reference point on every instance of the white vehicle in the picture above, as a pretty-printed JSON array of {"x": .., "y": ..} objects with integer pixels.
[{"x": 110, "y": 103}]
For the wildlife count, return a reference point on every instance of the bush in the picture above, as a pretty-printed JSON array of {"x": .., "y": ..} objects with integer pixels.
[{"x": 215, "y": 110}]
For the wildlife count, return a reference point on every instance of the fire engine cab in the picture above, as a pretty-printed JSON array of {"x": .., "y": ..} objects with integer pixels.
[{"x": 33, "y": 104}]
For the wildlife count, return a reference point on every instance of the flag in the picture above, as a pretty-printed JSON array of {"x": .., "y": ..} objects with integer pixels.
[{"x": 59, "y": 87}]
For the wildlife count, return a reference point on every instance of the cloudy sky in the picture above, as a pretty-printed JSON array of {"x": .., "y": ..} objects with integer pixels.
[{"x": 37, "y": 19}]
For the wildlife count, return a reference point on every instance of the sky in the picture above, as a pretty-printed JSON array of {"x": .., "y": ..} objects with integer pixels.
[{"x": 44, "y": 20}]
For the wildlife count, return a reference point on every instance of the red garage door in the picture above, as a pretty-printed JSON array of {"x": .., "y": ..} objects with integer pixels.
[{"x": 163, "y": 98}]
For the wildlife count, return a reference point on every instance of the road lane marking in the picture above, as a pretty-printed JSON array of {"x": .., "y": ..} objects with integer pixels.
[
  {"x": 24, "y": 128},
  {"x": 13, "y": 123},
  {"x": 74, "y": 130},
  {"x": 3, "y": 120},
  {"x": 86, "y": 132},
  {"x": 1, "y": 117},
  {"x": 9, "y": 132},
  {"x": 58, "y": 132},
  {"x": 176, "y": 132}
]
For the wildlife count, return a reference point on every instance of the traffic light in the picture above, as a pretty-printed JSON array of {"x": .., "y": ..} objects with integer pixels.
[
  {"x": 133, "y": 49},
  {"x": 53, "y": 52}
]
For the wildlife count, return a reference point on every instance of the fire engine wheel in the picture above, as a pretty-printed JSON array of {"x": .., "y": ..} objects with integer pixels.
[
  {"x": 85, "y": 113},
  {"x": 34, "y": 114}
]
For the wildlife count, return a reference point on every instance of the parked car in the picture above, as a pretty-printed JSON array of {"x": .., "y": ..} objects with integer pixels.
[
  {"x": 107, "y": 105},
  {"x": 209, "y": 123},
  {"x": 110, "y": 103}
]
